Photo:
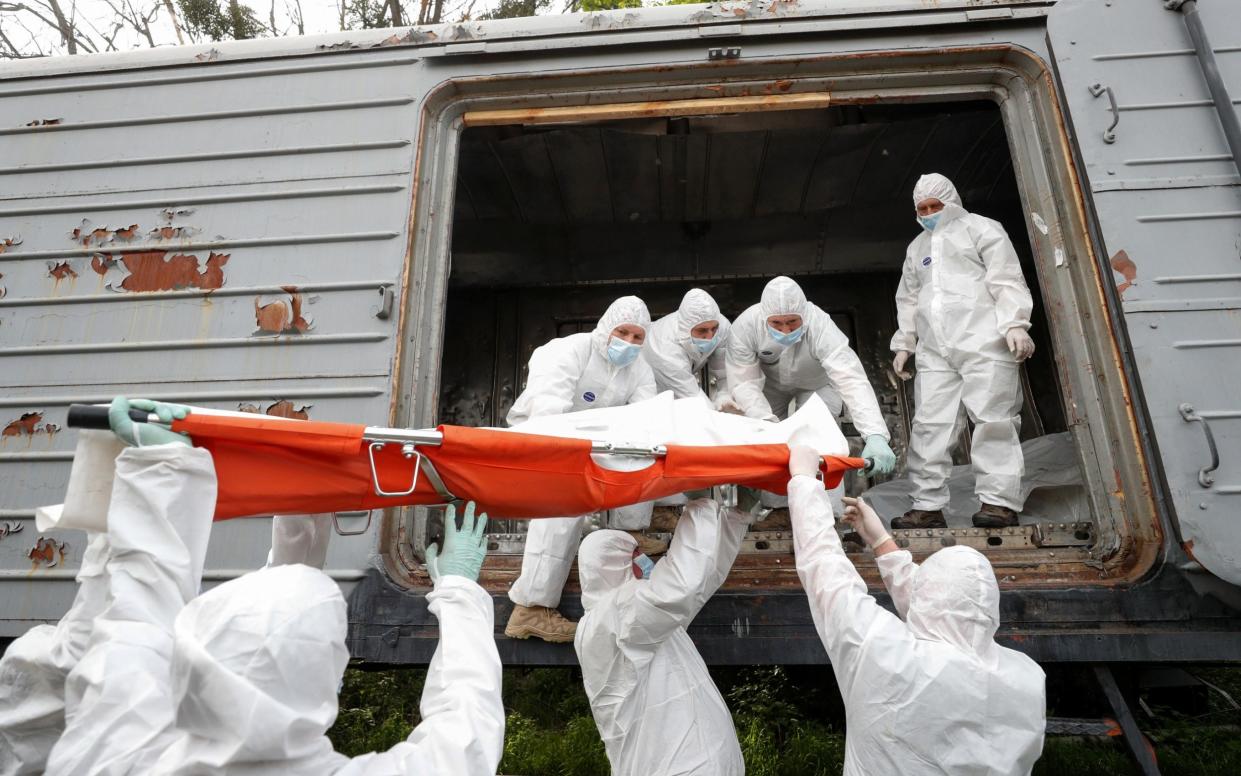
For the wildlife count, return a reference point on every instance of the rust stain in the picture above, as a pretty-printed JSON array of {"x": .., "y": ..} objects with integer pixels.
[
  {"x": 1127, "y": 269},
  {"x": 151, "y": 271},
  {"x": 248, "y": 408},
  {"x": 9, "y": 242},
  {"x": 26, "y": 425},
  {"x": 282, "y": 316},
  {"x": 44, "y": 122},
  {"x": 2, "y": 291},
  {"x": 102, "y": 262},
  {"x": 61, "y": 271},
  {"x": 284, "y": 409},
  {"x": 1189, "y": 550},
  {"x": 47, "y": 553},
  {"x": 86, "y": 234},
  {"x": 170, "y": 232}
]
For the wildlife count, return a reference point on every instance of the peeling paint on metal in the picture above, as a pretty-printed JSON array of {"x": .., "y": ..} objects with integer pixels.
[
  {"x": 2, "y": 291},
  {"x": 44, "y": 122},
  {"x": 47, "y": 553},
  {"x": 243, "y": 407},
  {"x": 9, "y": 242},
  {"x": 61, "y": 271},
  {"x": 170, "y": 232},
  {"x": 1128, "y": 270},
  {"x": 28, "y": 426},
  {"x": 280, "y": 315},
  {"x": 151, "y": 271},
  {"x": 284, "y": 409},
  {"x": 208, "y": 56},
  {"x": 754, "y": 9},
  {"x": 87, "y": 234},
  {"x": 412, "y": 37}
]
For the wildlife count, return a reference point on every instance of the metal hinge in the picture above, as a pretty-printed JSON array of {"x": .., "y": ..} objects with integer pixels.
[{"x": 732, "y": 52}]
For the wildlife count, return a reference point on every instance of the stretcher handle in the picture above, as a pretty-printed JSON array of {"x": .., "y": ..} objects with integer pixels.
[{"x": 95, "y": 416}]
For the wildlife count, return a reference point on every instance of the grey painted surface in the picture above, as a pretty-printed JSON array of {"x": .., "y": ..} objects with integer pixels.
[
  {"x": 1167, "y": 195},
  {"x": 302, "y": 180}
]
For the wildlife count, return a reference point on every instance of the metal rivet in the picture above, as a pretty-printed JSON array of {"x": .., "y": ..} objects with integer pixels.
[{"x": 1202, "y": 505}]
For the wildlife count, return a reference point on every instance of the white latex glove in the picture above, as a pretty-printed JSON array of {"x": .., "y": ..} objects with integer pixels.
[
  {"x": 898, "y": 364},
  {"x": 1019, "y": 343},
  {"x": 804, "y": 460},
  {"x": 726, "y": 404},
  {"x": 864, "y": 520}
]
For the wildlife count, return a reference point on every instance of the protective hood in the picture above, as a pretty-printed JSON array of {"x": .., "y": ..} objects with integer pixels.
[
  {"x": 936, "y": 186},
  {"x": 604, "y": 564},
  {"x": 256, "y": 666},
  {"x": 956, "y": 600},
  {"x": 627, "y": 309},
  {"x": 698, "y": 307},
  {"x": 783, "y": 296}
]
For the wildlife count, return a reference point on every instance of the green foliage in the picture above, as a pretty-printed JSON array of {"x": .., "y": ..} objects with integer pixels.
[
  {"x": 762, "y": 695},
  {"x": 512, "y": 9},
  {"x": 606, "y": 5},
  {"x": 220, "y": 19},
  {"x": 574, "y": 750},
  {"x": 378, "y": 709},
  {"x": 549, "y": 697},
  {"x": 367, "y": 14}
]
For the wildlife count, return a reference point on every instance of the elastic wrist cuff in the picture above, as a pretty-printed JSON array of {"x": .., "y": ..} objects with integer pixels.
[{"x": 876, "y": 544}]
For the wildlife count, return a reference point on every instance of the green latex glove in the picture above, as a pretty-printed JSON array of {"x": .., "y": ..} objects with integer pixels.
[
  {"x": 145, "y": 434},
  {"x": 464, "y": 547},
  {"x": 879, "y": 453}
]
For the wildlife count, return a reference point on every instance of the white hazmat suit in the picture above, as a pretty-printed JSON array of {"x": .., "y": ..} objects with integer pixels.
[
  {"x": 34, "y": 667},
  {"x": 657, "y": 709},
  {"x": 934, "y": 693},
  {"x": 565, "y": 375},
  {"x": 258, "y": 661},
  {"x": 765, "y": 376},
  {"x": 677, "y": 362},
  {"x": 961, "y": 291},
  {"x": 119, "y": 710}
]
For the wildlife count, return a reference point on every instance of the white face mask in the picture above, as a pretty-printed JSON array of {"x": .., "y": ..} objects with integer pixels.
[
  {"x": 645, "y": 564},
  {"x": 705, "y": 345}
]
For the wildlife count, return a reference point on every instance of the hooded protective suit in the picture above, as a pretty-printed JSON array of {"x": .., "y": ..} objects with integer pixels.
[
  {"x": 119, "y": 712},
  {"x": 675, "y": 360},
  {"x": 34, "y": 667},
  {"x": 933, "y": 694},
  {"x": 961, "y": 291},
  {"x": 568, "y": 374},
  {"x": 257, "y": 665},
  {"x": 657, "y": 709},
  {"x": 765, "y": 376}
]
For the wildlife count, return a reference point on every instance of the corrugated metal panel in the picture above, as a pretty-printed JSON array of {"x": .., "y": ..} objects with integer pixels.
[
  {"x": 1169, "y": 202},
  {"x": 219, "y": 243}
]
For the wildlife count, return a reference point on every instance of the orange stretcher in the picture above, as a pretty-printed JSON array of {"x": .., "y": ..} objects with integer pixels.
[{"x": 270, "y": 465}]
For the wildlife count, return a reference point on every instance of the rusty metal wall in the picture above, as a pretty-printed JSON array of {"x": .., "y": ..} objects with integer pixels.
[{"x": 218, "y": 238}]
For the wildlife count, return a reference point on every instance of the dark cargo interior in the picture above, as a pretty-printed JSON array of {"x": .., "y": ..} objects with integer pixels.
[{"x": 553, "y": 222}]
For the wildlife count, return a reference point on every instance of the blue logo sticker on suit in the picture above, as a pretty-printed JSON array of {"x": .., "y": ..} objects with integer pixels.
[
  {"x": 926, "y": 262},
  {"x": 588, "y": 396}
]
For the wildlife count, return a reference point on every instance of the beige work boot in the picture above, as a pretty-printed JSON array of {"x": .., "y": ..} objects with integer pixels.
[
  {"x": 540, "y": 622},
  {"x": 648, "y": 545}
]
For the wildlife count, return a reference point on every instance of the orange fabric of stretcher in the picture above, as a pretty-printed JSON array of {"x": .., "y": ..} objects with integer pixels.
[{"x": 275, "y": 466}]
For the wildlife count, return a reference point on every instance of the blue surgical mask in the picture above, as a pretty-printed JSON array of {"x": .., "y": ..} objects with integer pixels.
[
  {"x": 705, "y": 346},
  {"x": 622, "y": 353},
  {"x": 646, "y": 564},
  {"x": 786, "y": 339},
  {"x": 929, "y": 222}
]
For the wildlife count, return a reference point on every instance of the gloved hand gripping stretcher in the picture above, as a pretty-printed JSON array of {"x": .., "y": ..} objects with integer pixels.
[{"x": 268, "y": 465}]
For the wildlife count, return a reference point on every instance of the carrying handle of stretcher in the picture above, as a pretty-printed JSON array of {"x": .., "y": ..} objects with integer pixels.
[{"x": 96, "y": 416}]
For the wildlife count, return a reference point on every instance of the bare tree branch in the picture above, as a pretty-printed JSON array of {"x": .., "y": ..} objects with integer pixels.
[{"x": 176, "y": 21}]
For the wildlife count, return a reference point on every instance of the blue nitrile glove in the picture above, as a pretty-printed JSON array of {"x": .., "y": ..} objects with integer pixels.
[
  {"x": 464, "y": 547},
  {"x": 146, "y": 434},
  {"x": 879, "y": 453}
]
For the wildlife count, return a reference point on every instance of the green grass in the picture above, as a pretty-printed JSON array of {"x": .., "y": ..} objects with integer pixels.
[{"x": 787, "y": 720}]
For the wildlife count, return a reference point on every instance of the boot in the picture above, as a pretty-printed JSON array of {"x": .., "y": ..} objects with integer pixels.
[
  {"x": 995, "y": 516},
  {"x": 540, "y": 622},
  {"x": 648, "y": 545},
  {"x": 921, "y": 518}
]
